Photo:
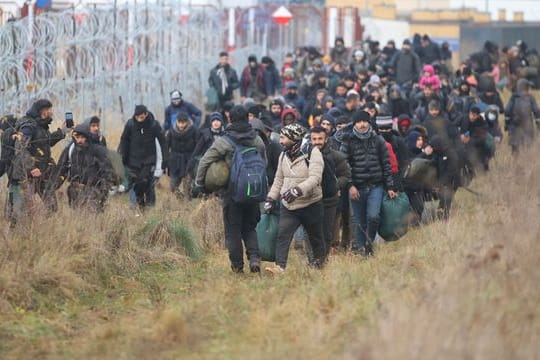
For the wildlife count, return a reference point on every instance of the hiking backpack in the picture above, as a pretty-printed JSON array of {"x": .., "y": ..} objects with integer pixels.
[{"x": 248, "y": 182}]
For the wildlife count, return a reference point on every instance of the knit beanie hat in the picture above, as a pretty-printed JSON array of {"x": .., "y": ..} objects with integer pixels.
[
  {"x": 384, "y": 122},
  {"x": 140, "y": 109},
  {"x": 216, "y": 116},
  {"x": 329, "y": 118},
  {"x": 360, "y": 115},
  {"x": 294, "y": 132},
  {"x": 182, "y": 116},
  {"x": 404, "y": 120}
]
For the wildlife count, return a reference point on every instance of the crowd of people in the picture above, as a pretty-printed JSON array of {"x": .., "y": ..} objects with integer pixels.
[{"x": 320, "y": 141}]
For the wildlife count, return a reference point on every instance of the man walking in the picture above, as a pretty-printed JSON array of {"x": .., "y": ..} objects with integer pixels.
[
  {"x": 139, "y": 150},
  {"x": 368, "y": 157},
  {"x": 86, "y": 165},
  {"x": 239, "y": 219},
  {"x": 298, "y": 184},
  {"x": 33, "y": 166},
  {"x": 224, "y": 79},
  {"x": 336, "y": 171}
]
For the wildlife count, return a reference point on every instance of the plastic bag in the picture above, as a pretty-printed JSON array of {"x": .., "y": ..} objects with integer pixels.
[
  {"x": 267, "y": 232},
  {"x": 394, "y": 217}
]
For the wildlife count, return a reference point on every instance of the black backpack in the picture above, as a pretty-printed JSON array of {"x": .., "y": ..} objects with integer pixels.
[{"x": 329, "y": 180}]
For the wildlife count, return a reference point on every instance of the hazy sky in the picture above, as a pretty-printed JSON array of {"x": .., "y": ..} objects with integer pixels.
[{"x": 531, "y": 8}]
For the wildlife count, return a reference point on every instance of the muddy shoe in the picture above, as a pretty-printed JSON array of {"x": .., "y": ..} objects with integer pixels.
[
  {"x": 274, "y": 270},
  {"x": 255, "y": 266},
  {"x": 237, "y": 270},
  {"x": 369, "y": 250}
]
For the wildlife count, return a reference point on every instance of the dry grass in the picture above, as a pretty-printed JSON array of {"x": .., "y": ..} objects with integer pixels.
[{"x": 120, "y": 287}]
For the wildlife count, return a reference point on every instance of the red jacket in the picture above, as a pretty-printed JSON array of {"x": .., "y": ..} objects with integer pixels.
[{"x": 393, "y": 159}]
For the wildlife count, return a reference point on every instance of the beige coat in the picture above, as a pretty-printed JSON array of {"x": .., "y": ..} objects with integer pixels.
[{"x": 297, "y": 173}]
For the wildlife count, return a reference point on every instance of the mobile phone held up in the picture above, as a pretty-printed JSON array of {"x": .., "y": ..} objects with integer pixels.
[{"x": 69, "y": 119}]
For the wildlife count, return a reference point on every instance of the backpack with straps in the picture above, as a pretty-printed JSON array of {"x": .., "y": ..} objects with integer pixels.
[
  {"x": 248, "y": 182},
  {"x": 329, "y": 183}
]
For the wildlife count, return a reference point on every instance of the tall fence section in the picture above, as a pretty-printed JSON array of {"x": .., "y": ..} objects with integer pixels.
[{"x": 104, "y": 60}]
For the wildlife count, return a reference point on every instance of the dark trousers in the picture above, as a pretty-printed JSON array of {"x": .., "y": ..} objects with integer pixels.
[
  {"x": 90, "y": 198},
  {"x": 240, "y": 221},
  {"x": 142, "y": 186},
  {"x": 329, "y": 219},
  {"x": 311, "y": 218},
  {"x": 446, "y": 196},
  {"x": 417, "y": 199},
  {"x": 343, "y": 221}
]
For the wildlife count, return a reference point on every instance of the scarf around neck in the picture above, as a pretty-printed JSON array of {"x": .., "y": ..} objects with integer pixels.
[{"x": 222, "y": 74}]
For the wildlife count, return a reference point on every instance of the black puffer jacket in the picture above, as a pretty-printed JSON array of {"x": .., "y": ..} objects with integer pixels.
[
  {"x": 138, "y": 142},
  {"x": 180, "y": 146},
  {"x": 369, "y": 160}
]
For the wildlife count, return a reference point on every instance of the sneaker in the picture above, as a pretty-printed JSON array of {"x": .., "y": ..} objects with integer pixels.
[
  {"x": 237, "y": 270},
  {"x": 274, "y": 270},
  {"x": 369, "y": 250},
  {"x": 255, "y": 267}
]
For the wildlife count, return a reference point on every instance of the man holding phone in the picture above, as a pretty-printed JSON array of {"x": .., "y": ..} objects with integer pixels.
[{"x": 33, "y": 166}]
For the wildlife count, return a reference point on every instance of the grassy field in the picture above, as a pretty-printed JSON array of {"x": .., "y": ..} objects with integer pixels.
[{"x": 159, "y": 286}]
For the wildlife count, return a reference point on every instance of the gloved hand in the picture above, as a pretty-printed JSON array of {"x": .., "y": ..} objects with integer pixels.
[
  {"x": 292, "y": 194},
  {"x": 197, "y": 190},
  {"x": 269, "y": 204}
]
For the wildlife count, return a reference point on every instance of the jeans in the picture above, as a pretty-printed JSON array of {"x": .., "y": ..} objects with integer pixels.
[
  {"x": 366, "y": 216},
  {"x": 311, "y": 218},
  {"x": 240, "y": 221}
]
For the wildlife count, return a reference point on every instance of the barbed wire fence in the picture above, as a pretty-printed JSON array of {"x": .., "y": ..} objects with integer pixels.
[{"x": 96, "y": 61}]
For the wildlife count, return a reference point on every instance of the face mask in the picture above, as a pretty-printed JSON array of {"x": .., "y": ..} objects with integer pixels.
[{"x": 492, "y": 117}]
